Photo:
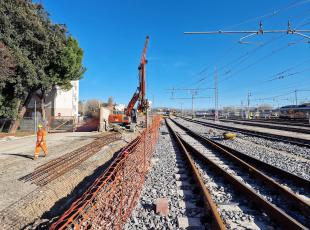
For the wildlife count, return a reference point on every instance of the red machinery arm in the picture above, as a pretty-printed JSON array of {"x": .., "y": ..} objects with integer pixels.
[
  {"x": 140, "y": 93},
  {"x": 142, "y": 89},
  {"x": 132, "y": 103}
]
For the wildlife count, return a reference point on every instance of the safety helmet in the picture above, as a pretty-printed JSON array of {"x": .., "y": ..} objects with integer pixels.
[{"x": 40, "y": 125}]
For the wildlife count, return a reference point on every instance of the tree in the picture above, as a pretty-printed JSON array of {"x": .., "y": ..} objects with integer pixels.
[
  {"x": 64, "y": 67},
  {"x": 45, "y": 56},
  {"x": 7, "y": 64},
  {"x": 7, "y": 70},
  {"x": 81, "y": 108},
  {"x": 92, "y": 107},
  {"x": 110, "y": 101}
]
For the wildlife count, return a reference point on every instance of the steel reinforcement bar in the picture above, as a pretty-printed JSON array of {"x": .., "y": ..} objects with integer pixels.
[
  {"x": 109, "y": 201},
  {"x": 211, "y": 207},
  {"x": 51, "y": 170}
]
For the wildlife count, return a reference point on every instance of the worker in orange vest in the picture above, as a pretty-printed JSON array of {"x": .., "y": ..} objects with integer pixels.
[{"x": 41, "y": 142}]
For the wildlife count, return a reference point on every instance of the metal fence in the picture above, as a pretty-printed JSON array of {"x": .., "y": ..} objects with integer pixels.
[
  {"x": 109, "y": 201},
  {"x": 56, "y": 123},
  {"x": 62, "y": 123},
  {"x": 4, "y": 124}
]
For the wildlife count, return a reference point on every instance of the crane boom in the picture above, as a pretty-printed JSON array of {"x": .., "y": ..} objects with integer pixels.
[
  {"x": 132, "y": 103},
  {"x": 140, "y": 93},
  {"x": 143, "y": 104}
]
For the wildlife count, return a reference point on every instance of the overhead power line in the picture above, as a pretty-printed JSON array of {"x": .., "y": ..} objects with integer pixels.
[
  {"x": 267, "y": 15},
  {"x": 260, "y": 31},
  {"x": 272, "y": 13},
  {"x": 282, "y": 76},
  {"x": 284, "y": 94},
  {"x": 188, "y": 98},
  {"x": 187, "y": 89}
]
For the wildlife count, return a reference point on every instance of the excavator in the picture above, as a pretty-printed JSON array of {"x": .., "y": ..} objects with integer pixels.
[{"x": 126, "y": 117}]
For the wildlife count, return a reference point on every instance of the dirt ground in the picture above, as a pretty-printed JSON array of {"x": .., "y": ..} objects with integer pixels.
[{"x": 21, "y": 203}]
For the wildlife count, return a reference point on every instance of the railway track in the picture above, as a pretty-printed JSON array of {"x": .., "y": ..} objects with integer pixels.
[
  {"x": 277, "y": 121},
  {"x": 290, "y": 128},
  {"x": 186, "y": 173},
  {"x": 53, "y": 169},
  {"x": 274, "y": 137},
  {"x": 245, "y": 175}
]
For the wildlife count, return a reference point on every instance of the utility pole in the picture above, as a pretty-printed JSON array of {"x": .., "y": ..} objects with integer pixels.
[
  {"x": 192, "y": 106},
  {"x": 296, "y": 100},
  {"x": 194, "y": 92},
  {"x": 248, "y": 113},
  {"x": 181, "y": 109},
  {"x": 241, "y": 109},
  {"x": 35, "y": 115},
  {"x": 216, "y": 117},
  {"x": 153, "y": 103}
]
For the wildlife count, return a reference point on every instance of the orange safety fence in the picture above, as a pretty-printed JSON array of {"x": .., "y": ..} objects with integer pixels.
[{"x": 109, "y": 201}]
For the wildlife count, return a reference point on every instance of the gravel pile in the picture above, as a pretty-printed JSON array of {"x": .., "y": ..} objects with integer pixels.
[
  {"x": 160, "y": 183},
  {"x": 288, "y": 157}
]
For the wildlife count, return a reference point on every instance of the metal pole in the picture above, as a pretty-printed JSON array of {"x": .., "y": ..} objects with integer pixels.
[
  {"x": 192, "y": 105},
  {"x": 145, "y": 135},
  {"x": 241, "y": 109},
  {"x": 153, "y": 104},
  {"x": 296, "y": 101},
  {"x": 181, "y": 109},
  {"x": 35, "y": 116},
  {"x": 215, "y": 96},
  {"x": 248, "y": 113}
]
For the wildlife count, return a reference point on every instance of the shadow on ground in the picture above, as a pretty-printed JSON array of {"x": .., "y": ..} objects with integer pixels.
[
  {"x": 51, "y": 216},
  {"x": 18, "y": 155}
]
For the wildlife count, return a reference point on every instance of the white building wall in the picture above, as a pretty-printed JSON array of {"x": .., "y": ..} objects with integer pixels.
[{"x": 66, "y": 102}]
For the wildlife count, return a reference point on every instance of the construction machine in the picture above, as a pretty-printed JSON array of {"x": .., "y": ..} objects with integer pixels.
[{"x": 126, "y": 117}]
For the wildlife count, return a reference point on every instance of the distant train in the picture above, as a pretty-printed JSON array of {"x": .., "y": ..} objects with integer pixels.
[{"x": 295, "y": 111}]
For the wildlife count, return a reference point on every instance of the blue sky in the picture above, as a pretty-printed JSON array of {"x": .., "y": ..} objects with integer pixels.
[{"x": 112, "y": 34}]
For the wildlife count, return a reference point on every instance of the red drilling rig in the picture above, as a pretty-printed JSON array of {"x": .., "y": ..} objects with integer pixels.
[{"x": 125, "y": 117}]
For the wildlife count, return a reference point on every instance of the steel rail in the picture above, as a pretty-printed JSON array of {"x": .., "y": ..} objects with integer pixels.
[
  {"x": 46, "y": 173},
  {"x": 296, "y": 180},
  {"x": 278, "y": 121},
  {"x": 270, "y": 121},
  {"x": 269, "y": 136},
  {"x": 275, "y": 213},
  {"x": 208, "y": 201},
  {"x": 270, "y": 126},
  {"x": 63, "y": 161},
  {"x": 300, "y": 204},
  {"x": 77, "y": 151}
]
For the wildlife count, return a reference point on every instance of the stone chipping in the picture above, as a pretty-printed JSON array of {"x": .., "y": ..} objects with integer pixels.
[
  {"x": 160, "y": 182},
  {"x": 292, "y": 158}
]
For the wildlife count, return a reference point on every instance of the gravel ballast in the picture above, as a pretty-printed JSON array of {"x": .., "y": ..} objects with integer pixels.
[
  {"x": 160, "y": 183},
  {"x": 291, "y": 158}
]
